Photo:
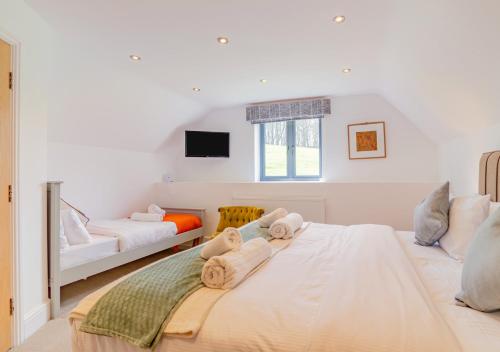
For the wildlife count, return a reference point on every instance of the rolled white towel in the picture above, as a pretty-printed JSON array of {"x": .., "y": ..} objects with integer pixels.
[
  {"x": 268, "y": 219},
  {"x": 229, "y": 239},
  {"x": 285, "y": 228},
  {"x": 146, "y": 217},
  {"x": 155, "y": 209},
  {"x": 228, "y": 270}
]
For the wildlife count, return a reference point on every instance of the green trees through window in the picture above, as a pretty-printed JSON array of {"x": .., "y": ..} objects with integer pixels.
[{"x": 291, "y": 150}]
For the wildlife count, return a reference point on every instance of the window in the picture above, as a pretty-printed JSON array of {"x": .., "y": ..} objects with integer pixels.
[{"x": 290, "y": 150}]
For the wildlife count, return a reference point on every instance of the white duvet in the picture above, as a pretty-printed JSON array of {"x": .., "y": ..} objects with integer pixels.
[
  {"x": 133, "y": 234},
  {"x": 334, "y": 288},
  {"x": 476, "y": 331}
]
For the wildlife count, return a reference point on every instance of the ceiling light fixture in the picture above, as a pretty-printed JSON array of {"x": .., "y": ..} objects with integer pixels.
[
  {"x": 346, "y": 70},
  {"x": 263, "y": 81},
  {"x": 339, "y": 19},
  {"x": 135, "y": 58},
  {"x": 223, "y": 40},
  {"x": 196, "y": 89}
]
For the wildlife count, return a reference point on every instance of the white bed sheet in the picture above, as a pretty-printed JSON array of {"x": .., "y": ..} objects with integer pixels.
[
  {"x": 441, "y": 276},
  {"x": 99, "y": 247},
  {"x": 133, "y": 234},
  {"x": 328, "y": 291}
]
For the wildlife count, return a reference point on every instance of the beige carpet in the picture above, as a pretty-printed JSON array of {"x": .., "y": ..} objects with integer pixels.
[
  {"x": 52, "y": 337},
  {"x": 55, "y": 335}
]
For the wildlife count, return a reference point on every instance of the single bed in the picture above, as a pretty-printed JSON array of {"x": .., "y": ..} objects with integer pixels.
[
  {"x": 100, "y": 247},
  {"x": 133, "y": 234},
  {"x": 114, "y": 242}
]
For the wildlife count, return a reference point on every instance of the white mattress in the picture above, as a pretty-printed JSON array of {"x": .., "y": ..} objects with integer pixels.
[
  {"x": 335, "y": 288},
  {"x": 100, "y": 247},
  {"x": 133, "y": 234}
]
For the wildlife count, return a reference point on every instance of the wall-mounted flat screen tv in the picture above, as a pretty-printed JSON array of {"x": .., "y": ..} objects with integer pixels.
[{"x": 207, "y": 144}]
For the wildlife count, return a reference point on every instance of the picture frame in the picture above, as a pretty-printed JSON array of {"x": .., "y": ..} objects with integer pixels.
[{"x": 367, "y": 140}]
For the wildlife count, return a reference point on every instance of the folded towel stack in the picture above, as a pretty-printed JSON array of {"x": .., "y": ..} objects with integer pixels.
[
  {"x": 267, "y": 220},
  {"x": 155, "y": 209},
  {"x": 147, "y": 217},
  {"x": 228, "y": 270},
  {"x": 285, "y": 228},
  {"x": 230, "y": 239}
]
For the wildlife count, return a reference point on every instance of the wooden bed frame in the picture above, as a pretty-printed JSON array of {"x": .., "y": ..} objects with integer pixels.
[{"x": 58, "y": 277}]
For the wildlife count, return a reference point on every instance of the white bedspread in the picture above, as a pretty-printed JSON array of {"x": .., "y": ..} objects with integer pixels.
[
  {"x": 476, "y": 331},
  {"x": 99, "y": 247},
  {"x": 133, "y": 234},
  {"x": 334, "y": 288}
]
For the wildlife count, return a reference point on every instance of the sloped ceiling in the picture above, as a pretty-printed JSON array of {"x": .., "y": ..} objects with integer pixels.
[{"x": 436, "y": 61}]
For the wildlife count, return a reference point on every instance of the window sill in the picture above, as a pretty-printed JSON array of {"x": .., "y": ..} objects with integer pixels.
[{"x": 291, "y": 181}]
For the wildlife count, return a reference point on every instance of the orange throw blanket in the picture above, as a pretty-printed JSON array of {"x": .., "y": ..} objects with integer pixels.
[{"x": 184, "y": 222}]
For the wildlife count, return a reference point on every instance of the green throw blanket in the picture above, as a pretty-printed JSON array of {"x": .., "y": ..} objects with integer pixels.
[{"x": 139, "y": 308}]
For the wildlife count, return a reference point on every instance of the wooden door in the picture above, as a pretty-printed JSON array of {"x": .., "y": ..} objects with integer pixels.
[{"x": 5, "y": 197}]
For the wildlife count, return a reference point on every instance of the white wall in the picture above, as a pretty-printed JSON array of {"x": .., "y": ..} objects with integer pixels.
[
  {"x": 459, "y": 158},
  {"x": 346, "y": 203},
  {"x": 103, "y": 182},
  {"x": 106, "y": 100},
  {"x": 21, "y": 24},
  {"x": 357, "y": 191},
  {"x": 240, "y": 165},
  {"x": 411, "y": 157}
]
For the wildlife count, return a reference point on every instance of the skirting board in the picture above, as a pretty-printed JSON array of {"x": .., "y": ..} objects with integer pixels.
[{"x": 35, "y": 319}]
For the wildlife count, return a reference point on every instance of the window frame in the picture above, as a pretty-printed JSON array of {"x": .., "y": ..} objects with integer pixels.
[{"x": 291, "y": 155}]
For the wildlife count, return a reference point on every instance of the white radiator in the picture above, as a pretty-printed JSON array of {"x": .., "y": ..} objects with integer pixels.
[{"x": 311, "y": 208}]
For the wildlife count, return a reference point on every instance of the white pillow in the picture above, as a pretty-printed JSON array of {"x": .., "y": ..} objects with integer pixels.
[
  {"x": 466, "y": 214},
  {"x": 63, "y": 241},
  {"x": 494, "y": 206},
  {"x": 75, "y": 231}
]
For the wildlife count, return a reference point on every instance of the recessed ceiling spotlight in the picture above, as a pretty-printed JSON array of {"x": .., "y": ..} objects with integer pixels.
[
  {"x": 223, "y": 40},
  {"x": 263, "y": 81},
  {"x": 135, "y": 58},
  {"x": 195, "y": 89},
  {"x": 339, "y": 19},
  {"x": 346, "y": 70}
]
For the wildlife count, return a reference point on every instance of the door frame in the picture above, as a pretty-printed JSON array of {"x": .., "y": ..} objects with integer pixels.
[{"x": 17, "y": 320}]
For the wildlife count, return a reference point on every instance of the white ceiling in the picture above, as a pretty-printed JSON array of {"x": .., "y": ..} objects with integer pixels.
[{"x": 437, "y": 61}]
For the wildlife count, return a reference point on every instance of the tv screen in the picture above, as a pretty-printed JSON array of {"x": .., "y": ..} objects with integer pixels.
[{"x": 207, "y": 144}]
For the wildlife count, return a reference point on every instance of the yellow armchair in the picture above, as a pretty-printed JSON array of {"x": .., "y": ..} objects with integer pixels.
[{"x": 236, "y": 216}]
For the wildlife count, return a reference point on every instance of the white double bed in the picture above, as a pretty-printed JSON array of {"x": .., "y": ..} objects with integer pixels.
[
  {"x": 361, "y": 288},
  {"x": 336, "y": 288}
]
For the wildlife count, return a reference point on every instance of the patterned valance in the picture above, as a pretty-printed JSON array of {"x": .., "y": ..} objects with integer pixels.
[{"x": 289, "y": 110}]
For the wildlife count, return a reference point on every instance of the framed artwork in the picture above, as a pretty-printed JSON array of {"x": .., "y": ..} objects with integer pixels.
[{"x": 366, "y": 140}]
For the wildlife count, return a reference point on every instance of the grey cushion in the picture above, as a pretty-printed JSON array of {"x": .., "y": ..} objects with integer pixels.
[
  {"x": 430, "y": 220},
  {"x": 481, "y": 274}
]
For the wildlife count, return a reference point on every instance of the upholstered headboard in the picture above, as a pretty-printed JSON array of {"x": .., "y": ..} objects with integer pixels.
[{"x": 489, "y": 175}]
